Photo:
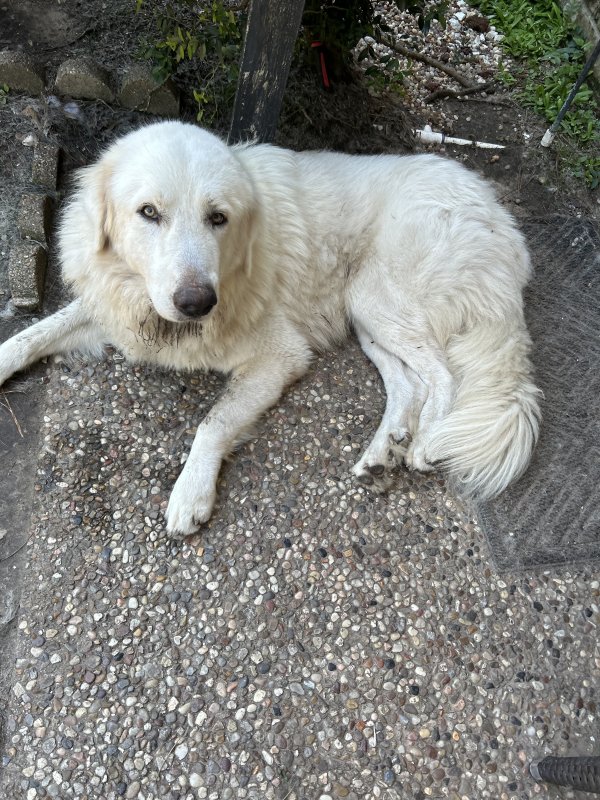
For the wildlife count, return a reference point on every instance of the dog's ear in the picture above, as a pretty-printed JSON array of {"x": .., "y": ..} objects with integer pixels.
[{"x": 94, "y": 183}]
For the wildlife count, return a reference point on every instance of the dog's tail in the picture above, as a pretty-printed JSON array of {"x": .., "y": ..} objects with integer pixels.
[{"x": 486, "y": 440}]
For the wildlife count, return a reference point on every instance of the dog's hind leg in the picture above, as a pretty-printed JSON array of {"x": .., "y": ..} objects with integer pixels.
[
  {"x": 67, "y": 330},
  {"x": 401, "y": 329},
  {"x": 405, "y": 395}
]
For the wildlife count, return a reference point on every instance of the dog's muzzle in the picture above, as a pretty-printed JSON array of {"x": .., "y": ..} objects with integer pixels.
[{"x": 195, "y": 301}]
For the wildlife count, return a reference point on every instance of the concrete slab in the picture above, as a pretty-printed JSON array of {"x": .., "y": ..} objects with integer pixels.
[
  {"x": 34, "y": 216},
  {"x": 141, "y": 91},
  {"x": 20, "y": 415},
  {"x": 313, "y": 641},
  {"x": 26, "y": 272},
  {"x": 44, "y": 170},
  {"x": 83, "y": 78}
]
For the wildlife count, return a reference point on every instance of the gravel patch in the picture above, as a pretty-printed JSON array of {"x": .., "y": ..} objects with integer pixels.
[
  {"x": 313, "y": 642},
  {"x": 465, "y": 42}
]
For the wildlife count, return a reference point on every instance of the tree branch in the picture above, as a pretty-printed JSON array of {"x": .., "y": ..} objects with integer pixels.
[
  {"x": 424, "y": 58},
  {"x": 440, "y": 93}
]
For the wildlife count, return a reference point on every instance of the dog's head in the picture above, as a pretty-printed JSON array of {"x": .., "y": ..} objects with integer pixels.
[{"x": 174, "y": 205}]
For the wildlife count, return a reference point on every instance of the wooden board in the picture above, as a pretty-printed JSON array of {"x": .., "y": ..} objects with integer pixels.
[{"x": 271, "y": 33}]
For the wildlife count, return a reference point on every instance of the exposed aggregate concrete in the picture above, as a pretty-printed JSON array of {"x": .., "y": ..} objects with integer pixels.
[
  {"x": 34, "y": 217},
  {"x": 312, "y": 642},
  {"x": 44, "y": 168}
]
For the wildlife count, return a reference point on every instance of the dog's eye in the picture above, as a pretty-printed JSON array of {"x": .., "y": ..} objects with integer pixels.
[
  {"x": 217, "y": 218},
  {"x": 149, "y": 212}
]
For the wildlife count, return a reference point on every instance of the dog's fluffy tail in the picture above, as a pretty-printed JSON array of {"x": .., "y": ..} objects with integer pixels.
[{"x": 487, "y": 439}]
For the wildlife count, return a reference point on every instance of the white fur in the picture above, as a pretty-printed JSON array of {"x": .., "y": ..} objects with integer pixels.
[{"x": 413, "y": 252}]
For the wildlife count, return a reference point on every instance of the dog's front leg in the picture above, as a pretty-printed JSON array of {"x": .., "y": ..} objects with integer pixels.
[
  {"x": 66, "y": 330},
  {"x": 251, "y": 391}
]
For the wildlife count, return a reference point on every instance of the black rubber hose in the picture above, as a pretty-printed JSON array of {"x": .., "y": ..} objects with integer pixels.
[{"x": 578, "y": 772}]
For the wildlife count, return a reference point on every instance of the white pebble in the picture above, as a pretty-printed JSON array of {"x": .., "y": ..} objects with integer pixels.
[
  {"x": 195, "y": 780},
  {"x": 181, "y": 751}
]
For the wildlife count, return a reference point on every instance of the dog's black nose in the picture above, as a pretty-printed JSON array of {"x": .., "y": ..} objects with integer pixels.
[{"x": 195, "y": 301}]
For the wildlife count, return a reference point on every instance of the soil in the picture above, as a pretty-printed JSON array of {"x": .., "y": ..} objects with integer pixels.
[{"x": 348, "y": 118}]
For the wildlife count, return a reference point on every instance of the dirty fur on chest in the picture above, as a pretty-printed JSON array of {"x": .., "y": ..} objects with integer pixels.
[{"x": 156, "y": 333}]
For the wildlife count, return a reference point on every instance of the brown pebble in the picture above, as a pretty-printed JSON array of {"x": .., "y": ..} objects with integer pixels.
[{"x": 477, "y": 22}]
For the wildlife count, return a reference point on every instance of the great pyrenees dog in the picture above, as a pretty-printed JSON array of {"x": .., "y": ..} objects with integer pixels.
[{"x": 190, "y": 254}]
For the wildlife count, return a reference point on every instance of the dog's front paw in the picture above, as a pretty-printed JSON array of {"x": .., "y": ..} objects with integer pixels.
[{"x": 190, "y": 505}]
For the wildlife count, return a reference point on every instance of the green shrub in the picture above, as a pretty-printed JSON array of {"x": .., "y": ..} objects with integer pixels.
[
  {"x": 553, "y": 52},
  {"x": 211, "y": 35}
]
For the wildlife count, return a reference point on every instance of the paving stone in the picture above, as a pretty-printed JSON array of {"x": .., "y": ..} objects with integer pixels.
[
  {"x": 34, "y": 217},
  {"x": 26, "y": 272},
  {"x": 142, "y": 92},
  {"x": 44, "y": 170},
  {"x": 21, "y": 73},
  {"x": 83, "y": 79}
]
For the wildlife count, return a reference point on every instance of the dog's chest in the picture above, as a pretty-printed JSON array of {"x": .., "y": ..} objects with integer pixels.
[
  {"x": 187, "y": 347},
  {"x": 179, "y": 347}
]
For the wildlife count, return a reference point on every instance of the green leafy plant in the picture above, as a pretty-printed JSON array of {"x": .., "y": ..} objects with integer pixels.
[
  {"x": 552, "y": 53},
  {"x": 210, "y": 35},
  {"x": 530, "y": 29},
  {"x": 587, "y": 168},
  {"x": 338, "y": 24},
  {"x": 386, "y": 76},
  {"x": 206, "y": 40},
  {"x": 426, "y": 13}
]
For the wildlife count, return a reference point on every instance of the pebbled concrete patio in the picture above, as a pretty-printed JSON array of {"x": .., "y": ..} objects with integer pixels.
[{"x": 312, "y": 642}]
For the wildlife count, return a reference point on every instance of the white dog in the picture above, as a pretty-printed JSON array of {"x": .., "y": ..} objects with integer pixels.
[{"x": 184, "y": 252}]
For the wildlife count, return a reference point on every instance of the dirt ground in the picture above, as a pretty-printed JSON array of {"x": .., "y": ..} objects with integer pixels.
[{"x": 348, "y": 119}]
